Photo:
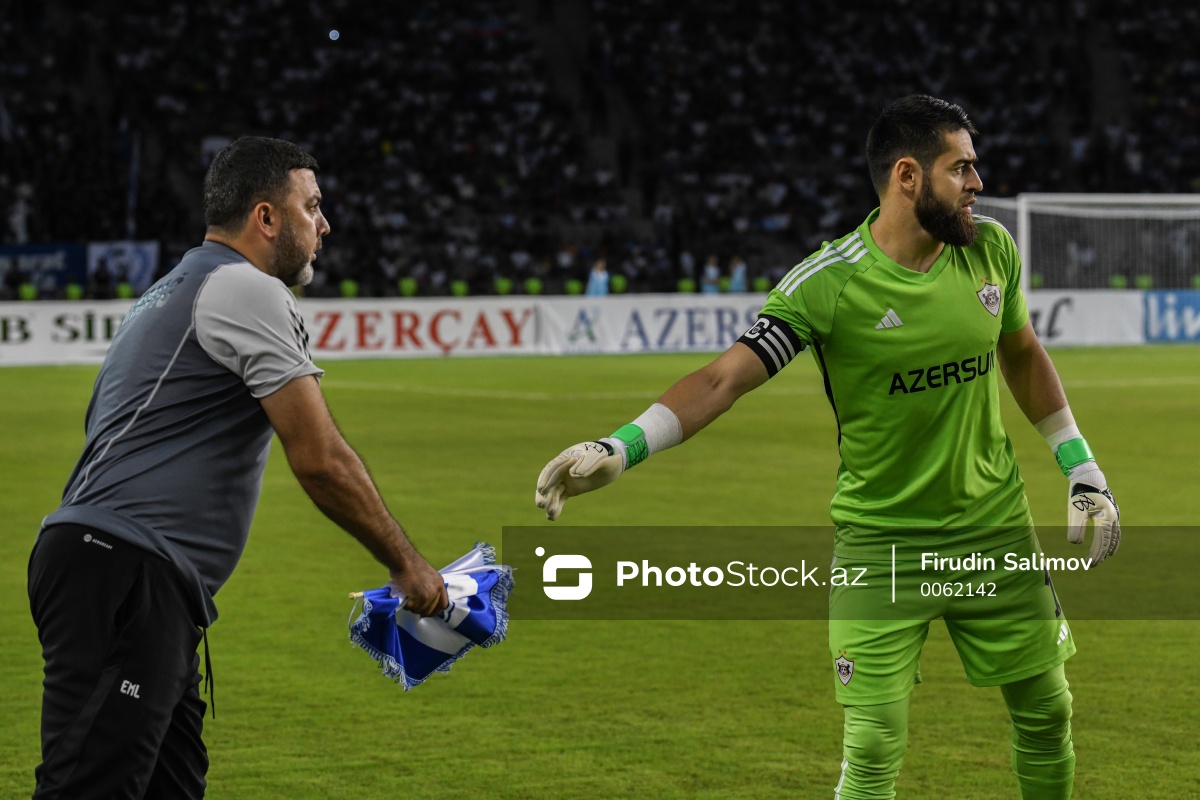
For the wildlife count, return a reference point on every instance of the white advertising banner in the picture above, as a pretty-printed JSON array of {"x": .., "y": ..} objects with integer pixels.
[
  {"x": 1172, "y": 316},
  {"x": 79, "y": 332},
  {"x": 1087, "y": 316},
  {"x": 645, "y": 323},
  {"x": 47, "y": 332},
  {"x": 458, "y": 326}
]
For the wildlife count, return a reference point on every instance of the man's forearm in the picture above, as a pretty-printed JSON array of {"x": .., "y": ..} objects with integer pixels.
[
  {"x": 696, "y": 401},
  {"x": 701, "y": 397},
  {"x": 1034, "y": 383},
  {"x": 343, "y": 490},
  {"x": 337, "y": 481}
]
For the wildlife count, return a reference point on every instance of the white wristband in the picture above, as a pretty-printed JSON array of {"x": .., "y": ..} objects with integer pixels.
[
  {"x": 1058, "y": 427},
  {"x": 657, "y": 429},
  {"x": 662, "y": 428}
]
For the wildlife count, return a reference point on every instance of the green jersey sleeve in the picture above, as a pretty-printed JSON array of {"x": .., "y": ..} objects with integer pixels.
[
  {"x": 1014, "y": 312},
  {"x": 801, "y": 308}
]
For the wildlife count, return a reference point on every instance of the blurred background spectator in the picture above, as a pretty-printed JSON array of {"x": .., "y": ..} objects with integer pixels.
[{"x": 597, "y": 285}]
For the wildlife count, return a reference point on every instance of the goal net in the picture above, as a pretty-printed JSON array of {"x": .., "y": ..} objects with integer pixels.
[{"x": 1089, "y": 241}]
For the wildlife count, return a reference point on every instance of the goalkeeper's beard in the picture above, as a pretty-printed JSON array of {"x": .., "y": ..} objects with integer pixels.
[{"x": 947, "y": 223}]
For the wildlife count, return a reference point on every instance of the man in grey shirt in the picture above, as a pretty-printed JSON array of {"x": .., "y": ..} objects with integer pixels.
[{"x": 207, "y": 365}]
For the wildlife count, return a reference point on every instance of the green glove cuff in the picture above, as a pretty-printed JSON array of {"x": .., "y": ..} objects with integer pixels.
[
  {"x": 1072, "y": 453},
  {"x": 636, "y": 449}
]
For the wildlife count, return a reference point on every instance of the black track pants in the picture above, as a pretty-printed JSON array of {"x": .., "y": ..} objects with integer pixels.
[{"x": 121, "y": 712}]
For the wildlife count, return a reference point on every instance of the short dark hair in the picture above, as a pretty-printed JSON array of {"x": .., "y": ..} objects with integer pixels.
[
  {"x": 248, "y": 171},
  {"x": 912, "y": 126}
]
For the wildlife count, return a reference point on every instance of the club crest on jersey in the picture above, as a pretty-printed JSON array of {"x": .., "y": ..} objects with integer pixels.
[
  {"x": 989, "y": 295},
  {"x": 845, "y": 668}
]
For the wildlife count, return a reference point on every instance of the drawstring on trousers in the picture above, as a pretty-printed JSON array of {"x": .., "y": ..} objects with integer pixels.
[{"x": 208, "y": 676}]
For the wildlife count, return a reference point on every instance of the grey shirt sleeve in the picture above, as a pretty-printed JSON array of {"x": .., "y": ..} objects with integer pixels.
[{"x": 250, "y": 323}]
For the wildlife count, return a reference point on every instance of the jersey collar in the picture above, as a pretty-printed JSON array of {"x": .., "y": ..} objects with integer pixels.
[{"x": 897, "y": 269}]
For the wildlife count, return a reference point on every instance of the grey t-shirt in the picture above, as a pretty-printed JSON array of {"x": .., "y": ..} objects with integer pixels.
[{"x": 176, "y": 437}]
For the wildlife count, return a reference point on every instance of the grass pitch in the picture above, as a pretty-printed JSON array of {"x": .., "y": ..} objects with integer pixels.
[{"x": 683, "y": 709}]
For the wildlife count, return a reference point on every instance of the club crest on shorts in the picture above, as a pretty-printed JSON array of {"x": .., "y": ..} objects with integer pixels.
[
  {"x": 989, "y": 295},
  {"x": 845, "y": 668}
]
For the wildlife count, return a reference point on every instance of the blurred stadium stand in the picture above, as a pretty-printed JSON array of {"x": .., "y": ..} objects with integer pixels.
[{"x": 465, "y": 140}]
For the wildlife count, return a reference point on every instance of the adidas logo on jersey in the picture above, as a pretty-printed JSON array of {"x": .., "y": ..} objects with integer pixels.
[{"x": 890, "y": 320}]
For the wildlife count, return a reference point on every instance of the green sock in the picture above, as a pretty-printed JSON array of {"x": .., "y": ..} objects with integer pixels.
[
  {"x": 873, "y": 745},
  {"x": 1043, "y": 756}
]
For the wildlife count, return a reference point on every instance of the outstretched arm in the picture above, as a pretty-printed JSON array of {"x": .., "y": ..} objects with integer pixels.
[
  {"x": 338, "y": 482},
  {"x": 684, "y": 409},
  {"x": 710, "y": 391}
]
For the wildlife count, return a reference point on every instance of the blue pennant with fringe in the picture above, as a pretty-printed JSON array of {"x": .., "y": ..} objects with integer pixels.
[{"x": 410, "y": 648}]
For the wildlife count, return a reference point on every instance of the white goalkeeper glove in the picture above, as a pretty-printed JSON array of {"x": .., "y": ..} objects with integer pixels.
[
  {"x": 589, "y": 465},
  {"x": 1089, "y": 500},
  {"x": 580, "y": 468}
]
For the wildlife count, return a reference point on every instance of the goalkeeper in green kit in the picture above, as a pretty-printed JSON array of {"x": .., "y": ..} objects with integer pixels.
[{"x": 908, "y": 317}]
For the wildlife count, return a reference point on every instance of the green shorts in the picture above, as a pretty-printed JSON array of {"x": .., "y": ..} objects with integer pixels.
[{"x": 1000, "y": 609}]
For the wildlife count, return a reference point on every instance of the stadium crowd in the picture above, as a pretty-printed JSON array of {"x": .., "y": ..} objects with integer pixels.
[
  {"x": 758, "y": 109},
  {"x": 449, "y": 160},
  {"x": 1165, "y": 113}
]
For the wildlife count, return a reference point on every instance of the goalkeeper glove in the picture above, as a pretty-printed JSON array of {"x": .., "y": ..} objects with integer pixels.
[
  {"x": 580, "y": 468},
  {"x": 1089, "y": 499},
  {"x": 587, "y": 466}
]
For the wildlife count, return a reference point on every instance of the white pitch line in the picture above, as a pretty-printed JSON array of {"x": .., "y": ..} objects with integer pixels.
[
  {"x": 504, "y": 394},
  {"x": 1134, "y": 383},
  {"x": 489, "y": 394}
]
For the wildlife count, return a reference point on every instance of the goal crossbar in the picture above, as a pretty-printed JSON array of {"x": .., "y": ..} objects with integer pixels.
[{"x": 1075, "y": 241}]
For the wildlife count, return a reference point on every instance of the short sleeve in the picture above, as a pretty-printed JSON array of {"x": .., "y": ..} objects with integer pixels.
[
  {"x": 778, "y": 335},
  {"x": 1015, "y": 312},
  {"x": 790, "y": 309},
  {"x": 250, "y": 323}
]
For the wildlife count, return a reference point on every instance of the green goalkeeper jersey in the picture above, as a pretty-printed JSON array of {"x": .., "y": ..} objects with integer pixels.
[{"x": 910, "y": 367}]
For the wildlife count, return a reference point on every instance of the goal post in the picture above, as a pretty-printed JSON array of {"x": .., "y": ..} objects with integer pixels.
[{"x": 1102, "y": 241}]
